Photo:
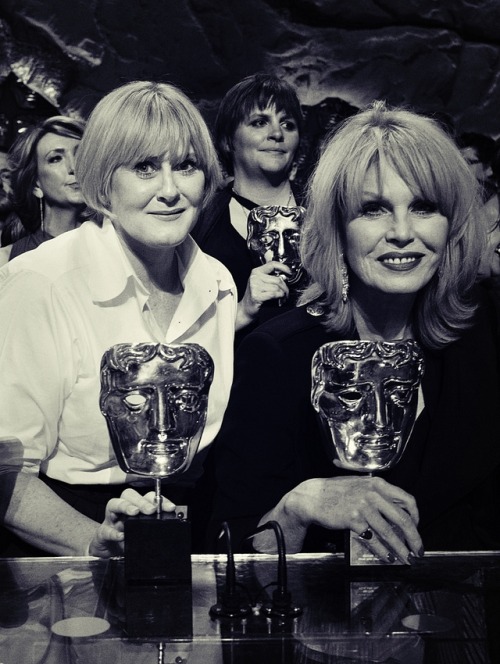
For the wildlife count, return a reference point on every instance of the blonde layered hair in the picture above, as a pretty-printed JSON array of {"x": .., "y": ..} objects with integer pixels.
[{"x": 429, "y": 161}]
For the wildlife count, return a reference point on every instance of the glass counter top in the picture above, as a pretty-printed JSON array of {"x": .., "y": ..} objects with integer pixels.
[{"x": 444, "y": 609}]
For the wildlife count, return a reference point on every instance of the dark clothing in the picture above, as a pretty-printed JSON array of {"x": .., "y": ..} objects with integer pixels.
[
  {"x": 217, "y": 237},
  {"x": 271, "y": 439},
  {"x": 29, "y": 242}
]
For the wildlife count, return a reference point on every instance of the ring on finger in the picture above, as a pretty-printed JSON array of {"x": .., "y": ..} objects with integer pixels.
[{"x": 367, "y": 534}]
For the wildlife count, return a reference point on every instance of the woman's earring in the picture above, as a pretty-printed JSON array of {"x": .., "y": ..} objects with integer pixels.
[
  {"x": 345, "y": 282},
  {"x": 42, "y": 224}
]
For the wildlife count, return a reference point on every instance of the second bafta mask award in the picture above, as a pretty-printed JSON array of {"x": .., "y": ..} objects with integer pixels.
[{"x": 366, "y": 394}]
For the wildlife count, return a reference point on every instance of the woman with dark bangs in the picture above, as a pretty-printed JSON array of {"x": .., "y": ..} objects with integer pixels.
[
  {"x": 145, "y": 165},
  {"x": 392, "y": 242},
  {"x": 257, "y": 134}
]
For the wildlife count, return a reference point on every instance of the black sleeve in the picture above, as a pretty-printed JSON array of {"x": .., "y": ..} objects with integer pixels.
[{"x": 260, "y": 453}]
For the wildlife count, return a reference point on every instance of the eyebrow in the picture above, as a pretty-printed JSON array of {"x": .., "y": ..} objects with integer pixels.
[
  {"x": 56, "y": 150},
  {"x": 267, "y": 114}
]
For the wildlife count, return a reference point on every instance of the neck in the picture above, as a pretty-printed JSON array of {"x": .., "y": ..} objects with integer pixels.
[
  {"x": 264, "y": 191},
  {"x": 383, "y": 318},
  {"x": 156, "y": 268},
  {"x": 60, "y": 220}
]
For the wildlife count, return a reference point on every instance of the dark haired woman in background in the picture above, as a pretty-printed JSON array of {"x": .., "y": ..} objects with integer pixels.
[
  {"x": 46, "y": 195},
  {"x": 257, "y": 133}
]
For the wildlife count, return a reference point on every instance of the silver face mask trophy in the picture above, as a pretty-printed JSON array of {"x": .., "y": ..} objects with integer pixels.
[
  {"x": 154, "y": 398},
  {"x": 366, "y": 395},
  {"x": 274, "y": 235}
]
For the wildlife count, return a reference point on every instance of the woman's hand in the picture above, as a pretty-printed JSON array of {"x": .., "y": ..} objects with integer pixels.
[
  {"x": 109, "y": 537},
  {"x": 266, "y": 282},
  {"x": 359, "y": 504}
]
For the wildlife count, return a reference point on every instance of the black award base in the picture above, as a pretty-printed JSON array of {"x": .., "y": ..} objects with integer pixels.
[{"x": 158, "y": 575}]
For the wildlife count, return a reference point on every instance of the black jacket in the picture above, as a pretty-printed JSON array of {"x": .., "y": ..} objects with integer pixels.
[{"x": 270, "y": 440}]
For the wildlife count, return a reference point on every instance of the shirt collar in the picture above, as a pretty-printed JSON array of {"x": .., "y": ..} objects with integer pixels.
[
  {"x": 200, "y": 275},
  {"x": 107, "y": 252}
]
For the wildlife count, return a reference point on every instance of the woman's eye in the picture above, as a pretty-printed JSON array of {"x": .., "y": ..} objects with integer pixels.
[
  {"x": 55, "y": 158},
  {"x": 372, "y": 209},
  {"x": 424, "y": 207},
  {"x": 289, "y": 125},
  {"x": 145, "y": 168},
  {"x": 258, "y": 122},
  {"x": 187, "y": 165}
]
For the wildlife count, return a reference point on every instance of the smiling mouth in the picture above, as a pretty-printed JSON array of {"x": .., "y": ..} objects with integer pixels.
[
  {"x": 167, "y": 213},
  {"x": 401, "y": 262}
]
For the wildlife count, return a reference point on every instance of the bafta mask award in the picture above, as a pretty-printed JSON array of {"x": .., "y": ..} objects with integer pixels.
[
  {"x": 274, "y": 235},
  {"x": 366, "y": 394},
  {"x": 154, "y": 398}
]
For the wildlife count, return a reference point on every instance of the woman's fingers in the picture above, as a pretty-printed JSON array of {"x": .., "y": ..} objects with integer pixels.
[
  {"x": 385, "y": 515},
  {"x": 109, "y": 536},
  {"x": 166, "y": 504},
  {"x": 397, "y": 496},
  {"x": 132, "y": 503},
  {"x": 265, "y": 285},
  {"x": 394, "y": 529}
]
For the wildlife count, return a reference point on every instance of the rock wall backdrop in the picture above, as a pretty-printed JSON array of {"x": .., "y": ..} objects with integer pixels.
[{"x": 438, "y": 56}]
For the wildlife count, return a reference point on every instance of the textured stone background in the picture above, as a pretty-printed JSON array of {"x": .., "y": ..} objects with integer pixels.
[{"x": 440, "y": 56}]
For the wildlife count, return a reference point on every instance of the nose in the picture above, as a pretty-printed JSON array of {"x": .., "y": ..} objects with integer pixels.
[
  {"x": 160, "y": 420},
  {"x": 401, "y": 231},
  {"x": 71, "y": 163},
  {"x": 276, "y": 131},
  {"x": 280, "y": 248},
  {"x": 167, "y": 186},
  {"x": 379, "y": 414}
]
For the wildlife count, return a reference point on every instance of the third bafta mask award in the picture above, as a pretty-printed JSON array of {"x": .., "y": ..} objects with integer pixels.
[
  {"x": 274, "y": 235},
  {"x": 366, "y": 394}
]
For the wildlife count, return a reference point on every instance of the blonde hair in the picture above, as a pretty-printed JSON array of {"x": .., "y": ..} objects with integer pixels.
[
  {"x": 429, "y": 161},
  {"x": 135, "y": 122}
]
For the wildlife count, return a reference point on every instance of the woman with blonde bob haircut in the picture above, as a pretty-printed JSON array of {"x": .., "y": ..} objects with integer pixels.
[
  {"x": 132, "y": 274},
  {"x": 392, "y": 243},
  {"x": 131, "y": 124}
]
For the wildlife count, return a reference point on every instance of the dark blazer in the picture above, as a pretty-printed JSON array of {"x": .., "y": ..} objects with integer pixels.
[
  {"x": 271, "y": 440},
  {"x": 217, "y": 237}
]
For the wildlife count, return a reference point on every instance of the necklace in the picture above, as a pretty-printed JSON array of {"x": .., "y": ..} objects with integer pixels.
[
  {"x": 240, "y": 221},
  {"x": 261, "y": 203}
]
